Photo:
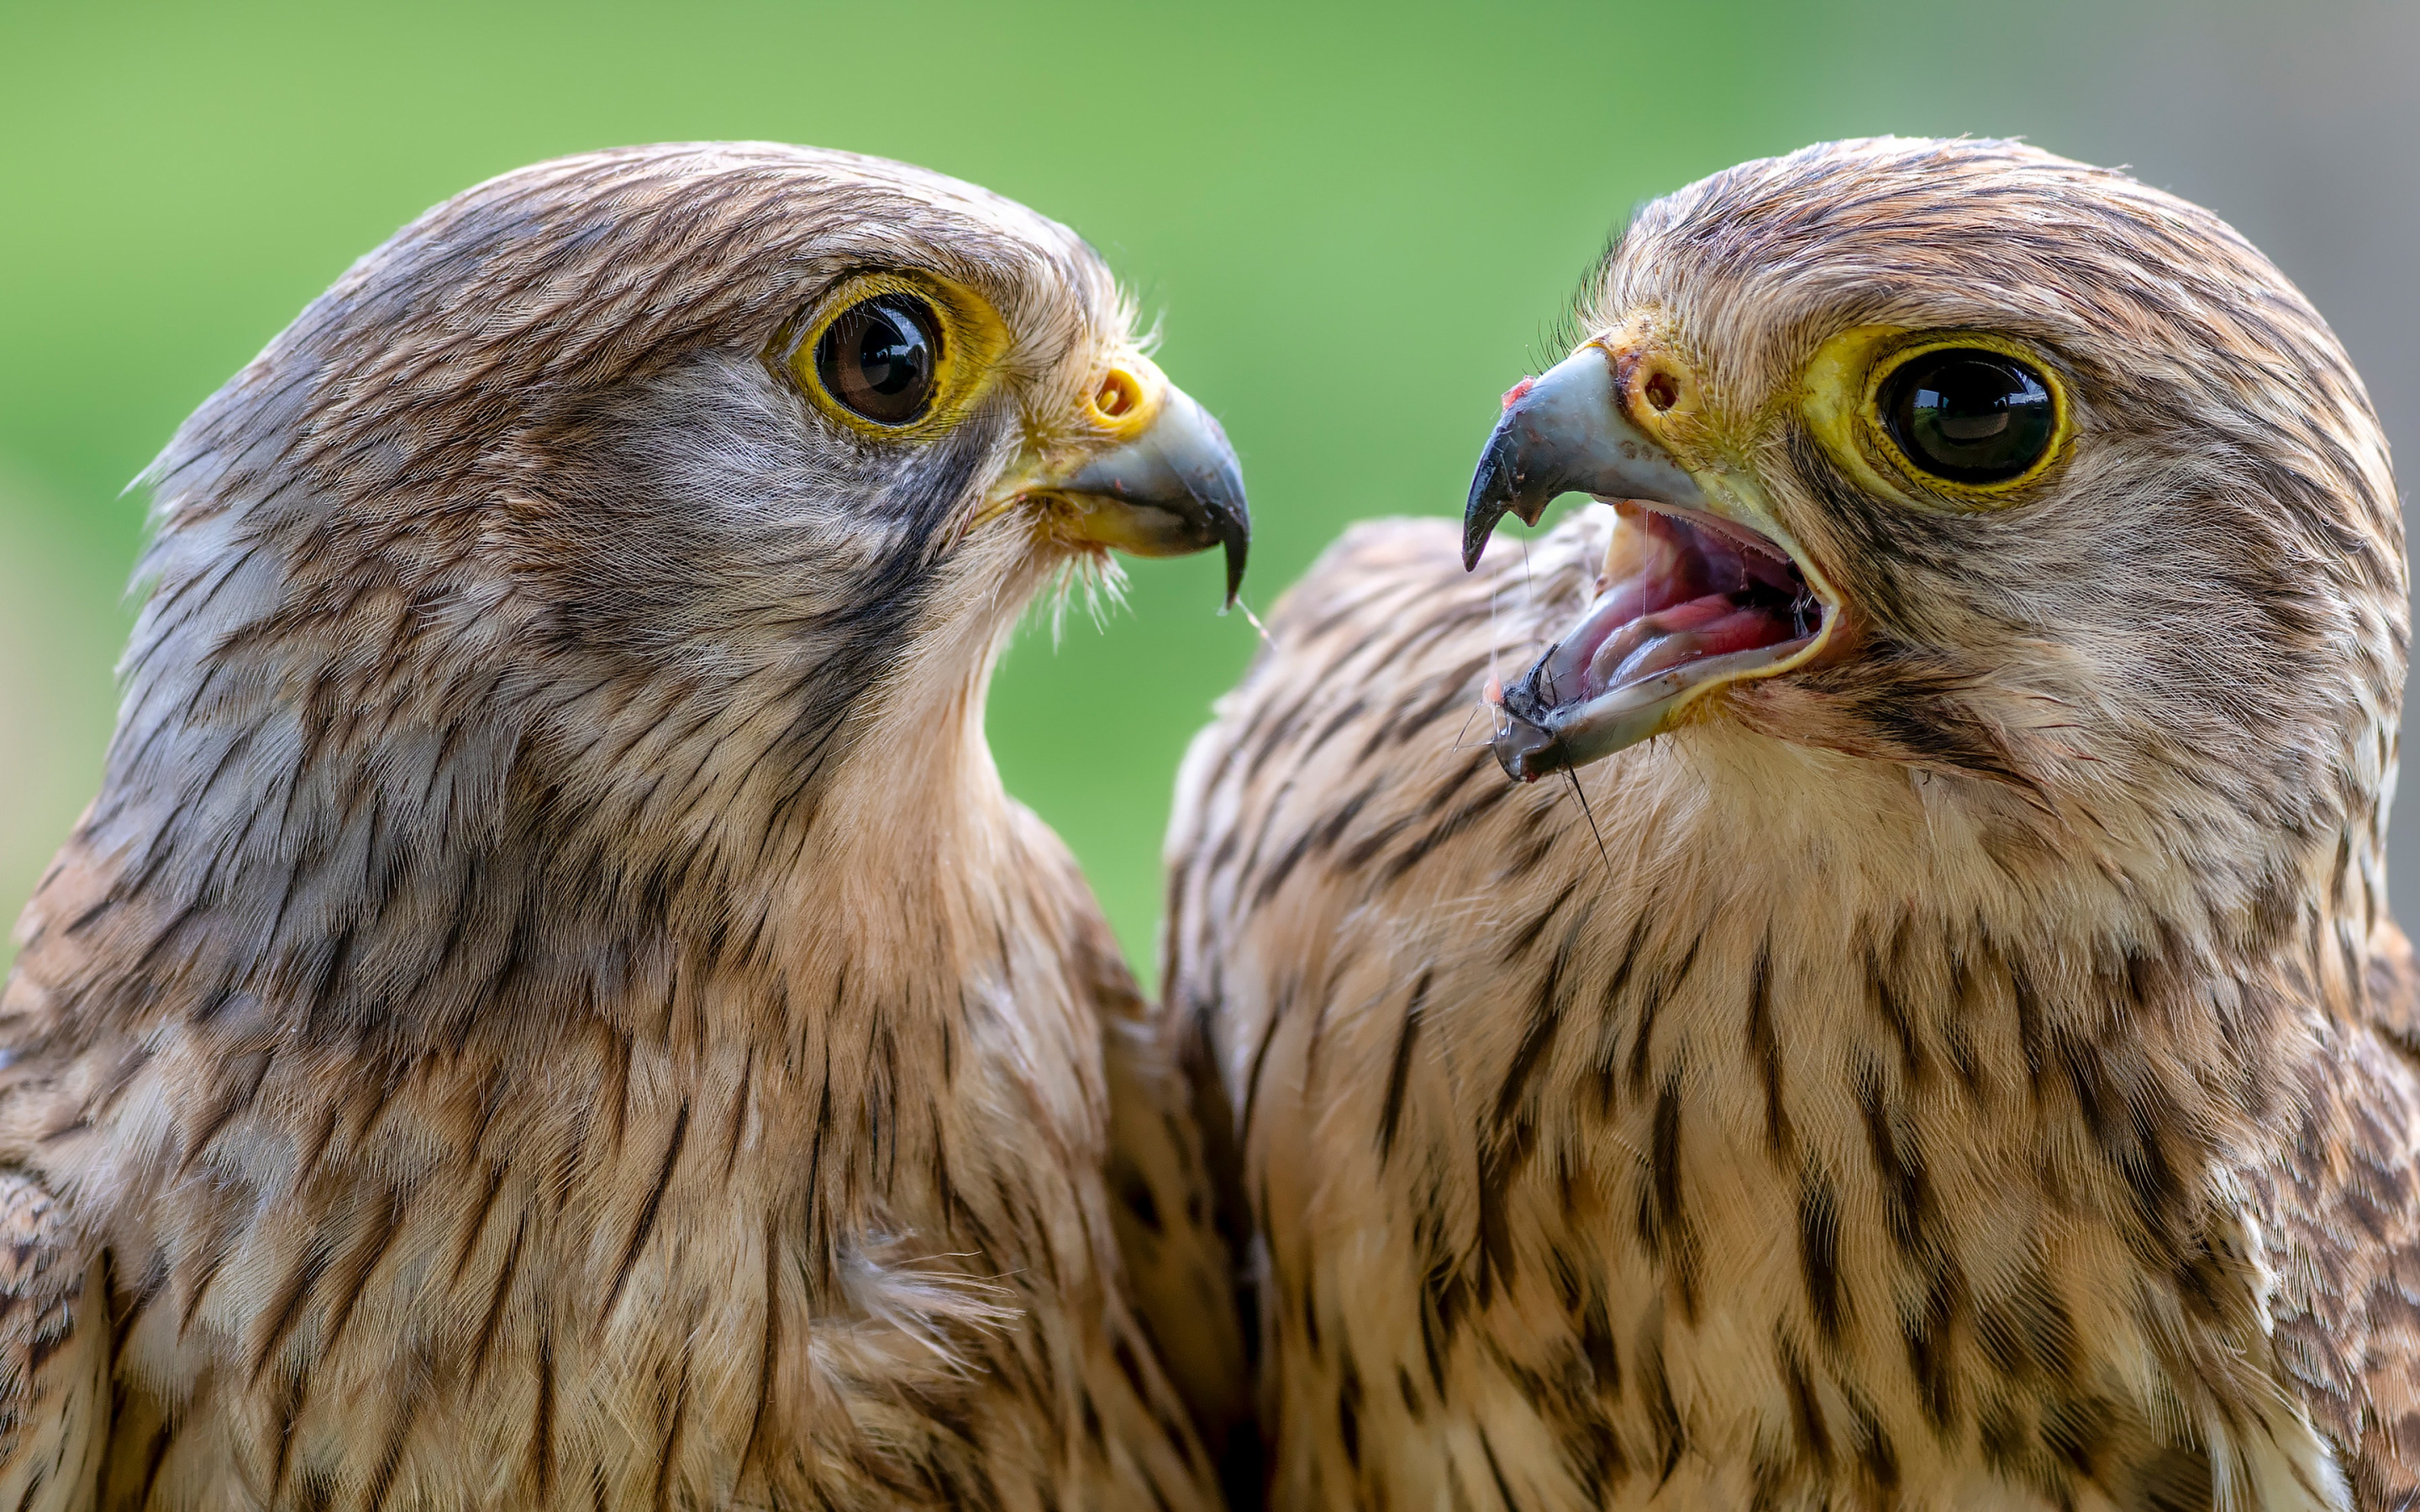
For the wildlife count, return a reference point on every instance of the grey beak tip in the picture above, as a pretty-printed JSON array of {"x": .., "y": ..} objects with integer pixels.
[
  {"x": 1565, "y": 433},
  {"x": 1229, "y": 515},
  {"x": 1492, "y": 493},
  {"x": 1476, "y": 528}
]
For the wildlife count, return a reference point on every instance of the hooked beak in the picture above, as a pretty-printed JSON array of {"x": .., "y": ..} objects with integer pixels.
[
  {"x": 1698, "y": 589},
  {"x": 1565, "y": 433},
  {"x": 1171, "y": 488}
]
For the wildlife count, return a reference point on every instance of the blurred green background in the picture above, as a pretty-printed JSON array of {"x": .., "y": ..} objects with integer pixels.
[{"x": 1359, "y": 224}]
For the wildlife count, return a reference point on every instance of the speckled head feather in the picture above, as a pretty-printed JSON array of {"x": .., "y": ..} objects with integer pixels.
[
  {"x": 521, "y": 501},
  {"x": 1961, "y": 1060},
  {"x": 551, "y": 1005}
]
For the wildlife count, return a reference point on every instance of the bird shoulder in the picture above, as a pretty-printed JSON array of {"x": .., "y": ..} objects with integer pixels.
[
  {"x": 53, "y": 1355},
  {"x": 2338, "y": 1211}
]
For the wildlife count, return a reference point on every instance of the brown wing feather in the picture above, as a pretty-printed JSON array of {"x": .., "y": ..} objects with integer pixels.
[
  {"x": 54, "y": 1357},
  {"x": 1173, "y": 1211},
  {"x": 1357, "y": 594},
  {"x": 2392, "y": 988},
  {"x": 2340, "y": 1228}
]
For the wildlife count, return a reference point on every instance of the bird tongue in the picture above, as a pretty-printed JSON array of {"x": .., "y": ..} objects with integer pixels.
[{"x": 1676, "y": 590}]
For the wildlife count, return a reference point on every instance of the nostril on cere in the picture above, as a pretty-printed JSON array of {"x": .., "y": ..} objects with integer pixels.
[
  {"x": 1663, "y": 391},
  {"x": 1117, "y": 397}
]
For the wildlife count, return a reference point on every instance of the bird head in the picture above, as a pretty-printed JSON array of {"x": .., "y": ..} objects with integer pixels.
[
  {"x": 1975, "y": 461},
  {"x": 657, "y": 477}
]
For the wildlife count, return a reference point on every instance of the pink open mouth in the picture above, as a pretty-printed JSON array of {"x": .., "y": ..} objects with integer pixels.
[
  {"x": 1694, "y": 587},
  {"x": 1685, "y": 599}
]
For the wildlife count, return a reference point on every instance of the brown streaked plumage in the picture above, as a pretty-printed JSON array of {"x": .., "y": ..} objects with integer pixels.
[
  {"x": 552, "y": 1006},
  {"x": 1973, "y": 1068}
]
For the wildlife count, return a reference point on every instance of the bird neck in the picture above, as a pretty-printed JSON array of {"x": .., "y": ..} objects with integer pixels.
[{"x": 1889, "y": 914}]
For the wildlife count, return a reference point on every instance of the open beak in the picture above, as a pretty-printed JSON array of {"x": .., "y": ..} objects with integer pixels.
[
  {"x": 1697, "y": 590},
  {"x": 1169, "y": 488}
]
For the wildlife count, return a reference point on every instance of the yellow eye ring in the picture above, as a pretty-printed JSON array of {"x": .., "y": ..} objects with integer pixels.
[
  {"x": 953, "y": 362},
  {"x": 1857, "y": 400}
]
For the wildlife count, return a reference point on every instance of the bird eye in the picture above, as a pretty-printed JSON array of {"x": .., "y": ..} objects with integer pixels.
[
  {"x": 1969, "y": 414},
  {"x": 878, "y": 358}
]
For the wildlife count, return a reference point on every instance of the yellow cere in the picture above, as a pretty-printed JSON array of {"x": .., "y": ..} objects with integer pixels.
[{"x": 1127, "y": 399}]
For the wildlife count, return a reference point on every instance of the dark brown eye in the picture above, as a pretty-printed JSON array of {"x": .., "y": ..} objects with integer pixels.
[
  {"x": 1969, "y": 414},
  {"x": 878, "y": 358}
]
